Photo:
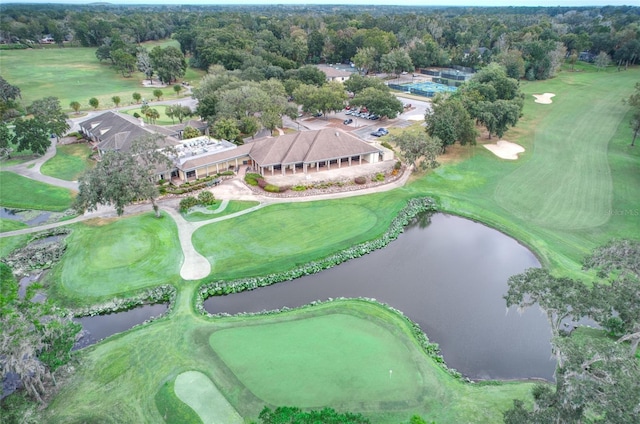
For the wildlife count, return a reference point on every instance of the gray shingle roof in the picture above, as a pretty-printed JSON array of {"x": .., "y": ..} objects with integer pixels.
[{"x": 116, "y": 131}]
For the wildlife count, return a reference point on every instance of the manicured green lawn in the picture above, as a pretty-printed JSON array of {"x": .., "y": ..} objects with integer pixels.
[
  {"x": 73, "y": 74},
  {"x": 569, "y": 191},
  {"x": 232, "y": 207},
  {"x": 162, "y": 110},
  {"x": 10, "y": 225},
  {"x": 107, "y": 381},
  {"x": 69, "y": 163},
  {"x": 19, "y": 192},
  {"x": 279, "y": 237},
  {"x": 116, "y": 257}
]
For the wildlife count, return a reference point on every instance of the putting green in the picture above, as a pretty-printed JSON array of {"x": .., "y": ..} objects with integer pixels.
[
  {"x": 330, "y": 359},
  {"x": 114, "y": 257},
  {"x": 196, "y": 390},
  {"x": 567, "y": 184}
]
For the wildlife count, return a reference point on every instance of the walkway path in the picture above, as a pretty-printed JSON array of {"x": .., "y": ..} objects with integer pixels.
[
  {"x": 195, "y": 266},
  {"x": 31, "y": 170}
]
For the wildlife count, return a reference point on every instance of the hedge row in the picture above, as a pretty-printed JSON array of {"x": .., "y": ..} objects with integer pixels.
[
  {"x": 161, "y": 294},
  {"x": 194, "y": 186}
]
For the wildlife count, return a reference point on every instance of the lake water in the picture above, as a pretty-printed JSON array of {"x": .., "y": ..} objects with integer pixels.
[
  {"x": 97, "y": 327},
  {"x": 449, "y": 276}
]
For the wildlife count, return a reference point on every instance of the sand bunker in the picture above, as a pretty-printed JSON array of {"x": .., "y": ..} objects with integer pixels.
[
  {"x": 505, "y": 149},
  {"x": 544, "y": 99}
]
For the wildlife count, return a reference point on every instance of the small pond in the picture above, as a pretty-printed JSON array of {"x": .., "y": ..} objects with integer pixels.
[
  {"x": 449, "y": 276},
  {"x": 97, "y": 327},
  {"x": 29, "y": 217}
]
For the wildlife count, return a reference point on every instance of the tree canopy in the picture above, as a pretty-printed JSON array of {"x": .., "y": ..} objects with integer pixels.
[
  {"x": 596, "y": 376},
  {"x": 121, "y": 178}
]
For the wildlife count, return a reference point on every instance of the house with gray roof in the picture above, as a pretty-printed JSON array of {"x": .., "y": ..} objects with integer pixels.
[{"x": 117, "y": 131}]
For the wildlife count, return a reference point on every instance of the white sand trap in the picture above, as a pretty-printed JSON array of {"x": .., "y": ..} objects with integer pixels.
[
  {"x": 505, "y": 149},
  {"x": 544, "y": 99}
]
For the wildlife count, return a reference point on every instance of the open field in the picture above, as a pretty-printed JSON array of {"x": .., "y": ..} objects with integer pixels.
[
  {"x": 162, "y": 110},
  {"x": 106, "y": 383},
  {"x": 69, "y": 163},
  {"x": 74, "y": 74},
  {"x": 23, "y": 193},
  {"x": 110, "y": 257},
  {"x": 574, "y": 188}
]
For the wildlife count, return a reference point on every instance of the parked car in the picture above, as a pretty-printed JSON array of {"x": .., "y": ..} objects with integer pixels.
[
  {"x": 377, "y": 134},
  {"x": 383, "y": 130},
  {"x": 374, "y": 117},
  {"x": 317, "y": 114},
  {"x": 348, "y": 121}
]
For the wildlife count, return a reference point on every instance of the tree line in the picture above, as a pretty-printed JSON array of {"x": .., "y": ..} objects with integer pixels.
[{"x": 381, "y": 38}]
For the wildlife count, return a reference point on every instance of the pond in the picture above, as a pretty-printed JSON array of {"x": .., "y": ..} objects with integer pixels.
[
  {"x": 97, "y": 327},
  {"x": 29, "y": 217},
  {"x": 449, "y": 276}
]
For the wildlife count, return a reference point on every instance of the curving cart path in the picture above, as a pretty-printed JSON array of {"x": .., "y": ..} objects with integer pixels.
[{"x": 195, "y": 266}]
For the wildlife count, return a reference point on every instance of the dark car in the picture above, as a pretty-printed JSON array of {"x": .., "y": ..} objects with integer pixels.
[
  {"x": 377, "y": 134},
  {"x": 383, "y": 131},
  {"x": 348, "y": 121}
]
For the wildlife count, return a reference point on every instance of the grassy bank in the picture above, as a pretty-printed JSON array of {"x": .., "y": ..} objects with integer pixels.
[
  {"x": 283, "y": 236},
  {"x": 19, "y": 192},
  {"x": 568, "y": 192},
  {"x": 69, "y": 163},
  {"x": 375, "y": 340}
]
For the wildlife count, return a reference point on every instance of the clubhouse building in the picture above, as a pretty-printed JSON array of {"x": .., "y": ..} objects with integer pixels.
[{"x": 300, "y": 152}]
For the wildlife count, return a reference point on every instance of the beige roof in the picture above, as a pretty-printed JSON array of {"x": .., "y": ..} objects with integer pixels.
[
  {"x": 300, "y": 147},
  {"x": 308, "y": 147},
  {"x": 212, "y": 159}
]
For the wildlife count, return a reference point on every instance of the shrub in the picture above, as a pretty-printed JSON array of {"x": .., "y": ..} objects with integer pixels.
[
  {"x": 262, "y": 183},
  {"x": 206, "y": 198},
  {"x": 136, "y": 115},
  {"x": 360, "y": 180},
  {"x": 271, "y": 188},
  {"x": 299, "y": 188},
  {"x": 398, "y": 165},
  {"x": 187, "y": 203},
  {"x": 387, "y": 145},
  {"x": 252, "y": 179},
  {"x": 225, "y": 173},
  {"x": 379, "y": 176}
]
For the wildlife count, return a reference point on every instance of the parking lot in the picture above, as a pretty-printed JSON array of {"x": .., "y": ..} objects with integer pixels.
[{"x": 360, "y": 126}]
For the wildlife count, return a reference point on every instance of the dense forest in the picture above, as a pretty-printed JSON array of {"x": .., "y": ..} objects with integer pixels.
[{"x": 267, "y": 41}]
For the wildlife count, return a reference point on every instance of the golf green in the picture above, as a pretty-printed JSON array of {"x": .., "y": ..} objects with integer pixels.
[
  {"x": 324, "y": 360},
  {"x": 105, "y": 258}
]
